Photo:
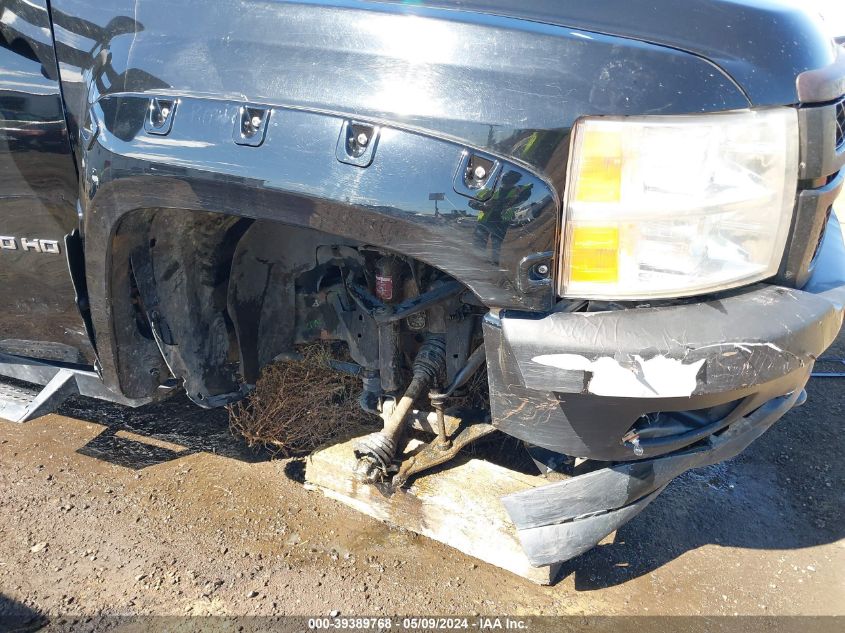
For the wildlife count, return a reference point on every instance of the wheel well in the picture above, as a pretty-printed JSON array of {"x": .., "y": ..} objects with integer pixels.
[{"x": 209, "y": 299}]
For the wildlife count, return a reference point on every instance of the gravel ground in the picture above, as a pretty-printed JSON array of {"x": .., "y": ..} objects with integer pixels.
[{"x": 161, "y": 511}]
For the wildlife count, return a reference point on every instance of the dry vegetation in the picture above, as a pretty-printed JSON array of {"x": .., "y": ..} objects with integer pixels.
[{"x": 300, "y": 405}]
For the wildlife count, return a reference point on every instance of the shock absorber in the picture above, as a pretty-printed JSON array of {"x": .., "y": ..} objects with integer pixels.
[
  {"x": 376, "y": 451},
  {"x": 388, "y": 286}
]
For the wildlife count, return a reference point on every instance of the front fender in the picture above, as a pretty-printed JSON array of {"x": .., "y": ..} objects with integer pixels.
[
  {"x": 506, "y": 85},
  {"x": 405, "y": 200}
]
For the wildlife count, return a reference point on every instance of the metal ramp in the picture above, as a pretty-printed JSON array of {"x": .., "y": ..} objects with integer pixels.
[
  {"x": 14, "y": 400},
  {"x": 22, "y": 403},
  {"x": 26, "y": 399}
]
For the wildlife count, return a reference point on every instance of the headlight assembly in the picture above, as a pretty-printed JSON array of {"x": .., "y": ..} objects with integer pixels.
[{"x": 672, "y": 206}]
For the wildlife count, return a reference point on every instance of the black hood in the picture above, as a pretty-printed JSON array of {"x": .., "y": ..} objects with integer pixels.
[{"x": 763, "y": 45}]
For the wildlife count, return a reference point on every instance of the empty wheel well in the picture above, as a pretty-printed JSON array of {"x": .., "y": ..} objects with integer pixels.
[{"x": 209, "y": 299}]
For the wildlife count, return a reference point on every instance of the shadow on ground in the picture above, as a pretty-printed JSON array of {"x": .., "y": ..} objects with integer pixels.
[
  {"x": 158, "y": 433},
  {"x": 16, "y": 617}
]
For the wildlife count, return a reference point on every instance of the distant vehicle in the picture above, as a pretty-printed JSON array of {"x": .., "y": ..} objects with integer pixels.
[{"x": 622, "y": 208}]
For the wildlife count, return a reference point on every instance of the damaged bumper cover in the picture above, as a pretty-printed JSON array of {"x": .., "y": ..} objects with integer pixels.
[
  {"x": 562, "y": 520},
  {"x": 692, "y": 384}
]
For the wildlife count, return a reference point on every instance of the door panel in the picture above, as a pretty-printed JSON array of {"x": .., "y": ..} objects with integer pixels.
[{"x": 38, "y": 195}]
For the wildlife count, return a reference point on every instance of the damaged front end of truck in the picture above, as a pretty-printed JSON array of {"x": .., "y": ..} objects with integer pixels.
[{"x": 631, "y": 231}]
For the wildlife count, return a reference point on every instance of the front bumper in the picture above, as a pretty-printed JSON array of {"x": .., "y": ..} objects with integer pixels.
[
  {"x": 693, "y": 384},
  {"x": 562, "y": 520},
  {"x": 577, "y": 383}
]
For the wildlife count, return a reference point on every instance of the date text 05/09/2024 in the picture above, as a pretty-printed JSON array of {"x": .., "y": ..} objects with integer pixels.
[{"x": 418, "y": 624}]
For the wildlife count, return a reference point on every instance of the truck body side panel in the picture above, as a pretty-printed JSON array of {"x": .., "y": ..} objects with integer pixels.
[{"x": 38, "y": 192}]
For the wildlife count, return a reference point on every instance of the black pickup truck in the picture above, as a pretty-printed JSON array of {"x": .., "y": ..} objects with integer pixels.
[{"x": 622, "y": 209}]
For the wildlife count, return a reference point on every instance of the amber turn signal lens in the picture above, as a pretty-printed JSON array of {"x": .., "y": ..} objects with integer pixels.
[
  {"x": 599, "y": 176},
  {"x": 594, "y": 254}
]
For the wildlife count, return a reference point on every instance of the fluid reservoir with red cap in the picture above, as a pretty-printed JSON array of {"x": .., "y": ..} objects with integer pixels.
[{"x": 387, "y": 284}]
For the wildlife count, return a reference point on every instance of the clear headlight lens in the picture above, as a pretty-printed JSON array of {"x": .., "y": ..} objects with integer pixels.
[{"x": 672, "y": 206}]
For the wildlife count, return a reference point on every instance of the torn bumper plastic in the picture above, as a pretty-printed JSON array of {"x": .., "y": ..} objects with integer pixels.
[
  {"x": 565, "y": 519},
  {"x": 697, "y": 381}
]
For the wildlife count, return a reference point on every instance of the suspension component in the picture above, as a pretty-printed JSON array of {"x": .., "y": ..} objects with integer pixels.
[
  {"x": 376, "y": 451},
  {"x": 388, "y": 288},
  {"x": 446, "y": 445},
  {"x": 434, "y": 455}
]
